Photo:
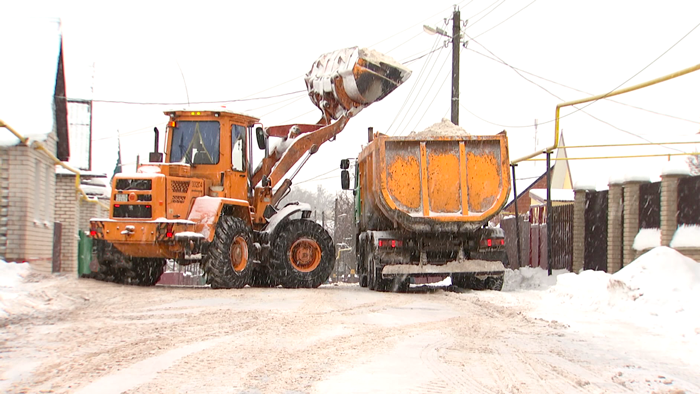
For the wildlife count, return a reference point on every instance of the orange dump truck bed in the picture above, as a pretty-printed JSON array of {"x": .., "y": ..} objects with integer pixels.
[{"x": 433, "y": 183}]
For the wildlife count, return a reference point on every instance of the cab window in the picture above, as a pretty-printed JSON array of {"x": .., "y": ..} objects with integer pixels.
[
  {"x": 238, "y": 137},
  {"x": 195, "y": 142}
]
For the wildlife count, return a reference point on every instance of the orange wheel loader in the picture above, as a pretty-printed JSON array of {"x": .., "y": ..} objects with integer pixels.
[{"x": 201, "y": 202}]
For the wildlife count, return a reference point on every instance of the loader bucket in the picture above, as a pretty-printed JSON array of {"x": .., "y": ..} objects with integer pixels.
[{"x": 346, "y": 81}]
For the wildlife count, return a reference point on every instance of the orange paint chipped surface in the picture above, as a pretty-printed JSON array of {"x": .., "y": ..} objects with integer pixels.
[
  {"x": 443, "y": 182},
  {"x": 403, "y": 181},
  {"x": 483, "y": 181}
]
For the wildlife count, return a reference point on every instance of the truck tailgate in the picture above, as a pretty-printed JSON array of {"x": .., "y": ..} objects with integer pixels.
[{"x": 462, "y": 179}]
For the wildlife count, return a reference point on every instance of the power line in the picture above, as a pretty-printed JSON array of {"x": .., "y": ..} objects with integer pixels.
[
  {"x": 585, "y": 106},
  {"x": 197, "y": 102},
  {"x": 487, "y": 14},
  {"x": 582, "y": 91},
  {"x": 505, "y": 20}
]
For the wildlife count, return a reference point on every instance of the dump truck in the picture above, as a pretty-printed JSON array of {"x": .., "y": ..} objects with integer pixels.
[
  {"x": 423, "y": 205},
  {"x": 203, "y": 202}
]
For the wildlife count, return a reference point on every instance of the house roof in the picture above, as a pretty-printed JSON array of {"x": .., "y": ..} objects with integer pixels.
[{"x": 30, "y": 63}]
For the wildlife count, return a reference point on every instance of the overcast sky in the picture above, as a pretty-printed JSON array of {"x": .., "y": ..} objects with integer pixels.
[{"x": 175, "y": 52}]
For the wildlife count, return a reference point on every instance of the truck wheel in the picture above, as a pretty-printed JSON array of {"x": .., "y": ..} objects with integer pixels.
[
  {"x": 303, "y": 255},
  {"x": 494, "y": 283},
  {"x": 380, "y": 284},
  {"x": 146, "y": 272},
  {"x": 228, "y": 263},
  {"x": 362, "y": 269}
]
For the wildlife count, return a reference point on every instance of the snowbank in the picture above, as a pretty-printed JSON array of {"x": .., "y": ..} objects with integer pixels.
[
  {"x": 658, "y": 291},
  {"x": 11, "y": 280},
  {"x": 647, "y": 238},
  {"x": 686, "y": 236},
  {"x": 528, "y": 278}
]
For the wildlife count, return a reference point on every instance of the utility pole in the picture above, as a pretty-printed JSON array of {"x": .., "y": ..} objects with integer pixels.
[
  {"x": 456, "y": 38},
  {"x": 456, "y": 41}
]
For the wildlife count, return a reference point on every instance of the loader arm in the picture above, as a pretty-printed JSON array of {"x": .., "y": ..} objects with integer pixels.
[{"x": 304, "y": 144}]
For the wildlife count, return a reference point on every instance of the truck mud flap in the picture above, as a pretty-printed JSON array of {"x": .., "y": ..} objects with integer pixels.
[{"x": 477, "y": 267}]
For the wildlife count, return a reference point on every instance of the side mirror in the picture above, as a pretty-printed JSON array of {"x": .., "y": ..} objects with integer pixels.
[
  {"x": 261, "y": 137},
  {"x": 345, "y": 180},
  {"x": 345, "y": 164}
]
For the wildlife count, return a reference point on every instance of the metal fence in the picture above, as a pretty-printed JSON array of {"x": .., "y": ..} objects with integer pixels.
[
  {"x": 595, "y": 250},
  {"x": 533, "y": 239},
  {"x": 650, "y": 205},
  {"x": 688, "y": 207}
]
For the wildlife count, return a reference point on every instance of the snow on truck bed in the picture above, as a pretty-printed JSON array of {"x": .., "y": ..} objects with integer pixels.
[{"x": 444, "y": 128}]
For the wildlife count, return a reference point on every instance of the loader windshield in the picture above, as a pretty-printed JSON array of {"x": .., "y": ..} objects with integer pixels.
[{"x": 195, "y": 143}]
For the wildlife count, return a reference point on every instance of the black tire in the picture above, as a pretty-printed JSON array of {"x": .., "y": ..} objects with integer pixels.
[
  {"x": 377, "y": 282},
  {"x": 302, "y": 255},
  {"x": 467, "y": 281},
  {"x": 146, "y": 272},
  {"x": 125, "y": 270},
  {"x": 261, "y": 277},
  {"x": 362, "y": 268},
  {"x": 228, "y": 264},
  {"x": 494, "y": 283}
]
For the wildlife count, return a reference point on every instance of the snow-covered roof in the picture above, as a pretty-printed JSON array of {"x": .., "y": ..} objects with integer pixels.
[
  {"x": 30, "y": 50},
  {"x": 557, "y": 194}
]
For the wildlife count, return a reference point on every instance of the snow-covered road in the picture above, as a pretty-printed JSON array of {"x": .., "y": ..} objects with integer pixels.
[{"x": 85, "y": 336}]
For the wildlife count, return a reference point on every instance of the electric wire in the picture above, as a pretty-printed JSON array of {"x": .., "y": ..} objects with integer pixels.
[
  {"x": 505, "y": 20},
  {"x": 418, "y": 94},
  {"x": 413, "y": 86},
  {"x": 192, "y": 103},
  {"x": 487, "y": 14},
  {"x": 582, "y": 91},
  {"x": 589, "y": 104},
  {"x": 447, "y": 76}
]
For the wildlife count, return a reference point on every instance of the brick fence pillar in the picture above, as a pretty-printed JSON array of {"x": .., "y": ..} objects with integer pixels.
[
  {"x": 67, "y": 211},
  {"x": 630, "y": 218},
  {"x": 615, "y": 226},
  {"x": 669, "y": 200},
  {"x": 579, "y": 230}
]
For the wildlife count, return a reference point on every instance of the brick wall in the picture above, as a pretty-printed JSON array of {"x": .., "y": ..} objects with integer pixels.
[
  {"x": 89, "y": 210},
  {"x": 614, "y": 228},
  {"x": 579, "y": 235},
  {"x": 4, "y": 202},
  {"x": 631, "y": 221},
  {"x": 30, "y": 176},
  {"x": 669, "y": 208},
  {"x": 67, "y": 210}
]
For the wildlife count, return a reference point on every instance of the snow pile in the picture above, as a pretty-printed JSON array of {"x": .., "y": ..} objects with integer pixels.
[
  {"x": 647, "y": 238},
  {"x": 528, "y": 278},
  {"x": 657, "y": 291},
  {"x": 686, "y": 236},
  {"x": 445, "y": 128},
  {"x": 11, "y": 280}
]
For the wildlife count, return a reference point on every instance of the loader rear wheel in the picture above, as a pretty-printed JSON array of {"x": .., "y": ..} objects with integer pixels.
[
  {"x": 146, "y": 272},
  {"x": 303, "y": 255},
  {"x": 228, "y": 263}
]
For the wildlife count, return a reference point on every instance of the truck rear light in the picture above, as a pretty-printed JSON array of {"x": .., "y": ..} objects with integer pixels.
[
  {"x": 492, "y": 242},
  {"x": 169, "y": 231},
  {"x": 390, "y": 243}
]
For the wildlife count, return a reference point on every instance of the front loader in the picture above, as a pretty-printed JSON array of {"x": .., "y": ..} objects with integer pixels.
[{"x": 201, "y": 202}]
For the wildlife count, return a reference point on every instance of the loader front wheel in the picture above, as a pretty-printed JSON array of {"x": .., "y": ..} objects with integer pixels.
[
  {"x": 228, "y": 263},
  {"x": 303, "y": 255}
]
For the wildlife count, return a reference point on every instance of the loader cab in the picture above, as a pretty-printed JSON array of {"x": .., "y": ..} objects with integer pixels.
[{"x": 215, "y": 147}]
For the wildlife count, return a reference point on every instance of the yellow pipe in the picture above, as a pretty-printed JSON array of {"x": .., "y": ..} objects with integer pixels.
[
  {"x": 23, "y": 140},
  {"x": 639, "y": 144},
  {"x": 618, "y": 157},
  {"x": 598, "y": 97},
  {"x": 39, "y": 146}
]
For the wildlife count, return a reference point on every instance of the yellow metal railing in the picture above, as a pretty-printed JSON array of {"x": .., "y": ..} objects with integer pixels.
[
  {"x": 41, "y": 147},
  {"x": 598, "y": 97}
]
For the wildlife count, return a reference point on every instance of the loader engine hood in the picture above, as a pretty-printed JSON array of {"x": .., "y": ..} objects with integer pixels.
[{"x": 347, "y": 80}]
